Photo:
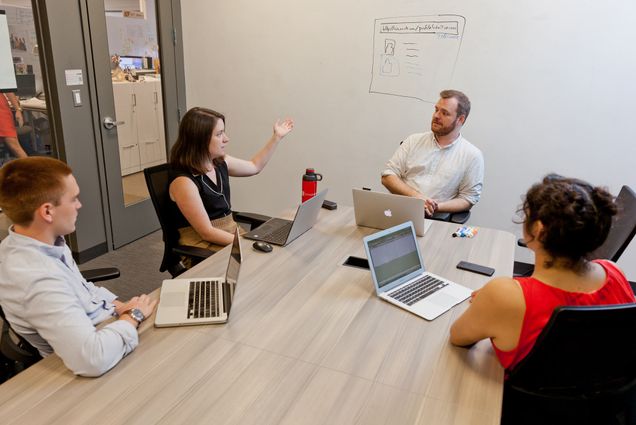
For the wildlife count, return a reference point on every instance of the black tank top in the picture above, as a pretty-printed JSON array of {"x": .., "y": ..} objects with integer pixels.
[{"x": 215, "y": 197}]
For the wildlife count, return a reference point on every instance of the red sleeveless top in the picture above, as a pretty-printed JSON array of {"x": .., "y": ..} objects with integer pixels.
[{"x": 542, "y": 299}]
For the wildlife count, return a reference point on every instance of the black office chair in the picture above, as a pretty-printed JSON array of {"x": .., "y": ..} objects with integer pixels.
[
  {"x": 620, "y": 235},
  {"x": 157, "y": 180},
  {"x": 580, "y": 371},
  {"x": 16, "y": 353}
]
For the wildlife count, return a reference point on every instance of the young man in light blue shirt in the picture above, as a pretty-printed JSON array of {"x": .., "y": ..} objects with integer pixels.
[{"x": 42, "y": 292}]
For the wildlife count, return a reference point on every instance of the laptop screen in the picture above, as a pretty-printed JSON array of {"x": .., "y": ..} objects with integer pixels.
[
  {"x": 234, "y": 263},
  {"x": 394, "y": 255},
  {"x": 232, "y": 273}
]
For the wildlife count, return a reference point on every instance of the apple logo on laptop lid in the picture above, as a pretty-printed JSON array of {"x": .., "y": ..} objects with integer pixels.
[{"x": 388, "y": 212}]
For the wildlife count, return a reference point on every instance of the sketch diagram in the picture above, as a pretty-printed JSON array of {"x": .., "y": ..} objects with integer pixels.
[
  {"x": 390, "y": 65},
  {"x": 415, "y": 56}
]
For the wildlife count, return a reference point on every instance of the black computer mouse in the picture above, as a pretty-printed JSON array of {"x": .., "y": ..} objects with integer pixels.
[{"x": 262, "y": 246}]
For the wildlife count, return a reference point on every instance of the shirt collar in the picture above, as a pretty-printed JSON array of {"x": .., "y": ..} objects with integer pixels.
[
  {"x": 455, "y": 142},
  {"x": 56, "y": 251}
]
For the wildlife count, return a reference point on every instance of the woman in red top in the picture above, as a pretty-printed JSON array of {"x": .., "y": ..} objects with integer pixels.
[
  {"x": 565, "y": 220},
  {"x": 7, "y": 126}
]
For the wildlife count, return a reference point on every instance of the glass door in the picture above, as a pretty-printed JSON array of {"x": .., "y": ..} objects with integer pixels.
[
  {"x": 28, "y": 133},
  {"x": 28, "y": 102},
  {"x": 126, "y": 52}
]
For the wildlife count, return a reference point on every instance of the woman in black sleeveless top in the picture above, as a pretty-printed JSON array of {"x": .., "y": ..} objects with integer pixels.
[{"x": 200, "y": 170}]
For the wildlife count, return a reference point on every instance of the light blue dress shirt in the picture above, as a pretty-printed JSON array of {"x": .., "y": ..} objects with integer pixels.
[{"x": 49, "y": 303}]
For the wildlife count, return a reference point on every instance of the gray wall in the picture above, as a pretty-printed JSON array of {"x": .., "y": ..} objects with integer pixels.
[
  {"x": 551, "y": 85},
  {"x": 64, "y": 47}
]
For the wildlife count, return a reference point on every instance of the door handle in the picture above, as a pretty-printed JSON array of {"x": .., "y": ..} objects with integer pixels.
[{"x": 109, "y": 123}]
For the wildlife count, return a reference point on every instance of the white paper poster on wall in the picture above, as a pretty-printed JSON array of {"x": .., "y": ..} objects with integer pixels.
[
  {"x": 415, "y": 56},
  {"x": 74, "y": 77},
  {"x": 7, "y": 75}
]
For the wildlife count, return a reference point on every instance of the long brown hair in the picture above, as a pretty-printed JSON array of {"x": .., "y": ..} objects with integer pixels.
[{"x": 191, "y": 152}]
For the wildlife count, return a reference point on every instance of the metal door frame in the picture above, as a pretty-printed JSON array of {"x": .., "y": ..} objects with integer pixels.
[{"x": 119, "y": 229}]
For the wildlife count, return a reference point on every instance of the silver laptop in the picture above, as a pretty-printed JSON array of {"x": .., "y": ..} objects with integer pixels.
[
  {"x": 278, "y": 231},
  {"x": 400, "y": 277},
  {"x": 383, "y": 210},
  {"x": 200, "y": 301}
]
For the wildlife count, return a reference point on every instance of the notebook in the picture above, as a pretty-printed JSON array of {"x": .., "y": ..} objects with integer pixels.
[
  {"x": 400, "y": 277},
  {"x": 281, "y": 232},
  {"x": 383, "y": 210},
  {"x": 200, "y": 301}
]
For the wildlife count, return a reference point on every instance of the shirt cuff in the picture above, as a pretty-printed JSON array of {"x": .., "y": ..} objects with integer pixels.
[{"x": 105, "y": 294}]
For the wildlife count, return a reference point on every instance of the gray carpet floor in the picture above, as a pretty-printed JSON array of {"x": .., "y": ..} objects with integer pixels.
[{"x": 138, "y": 263}]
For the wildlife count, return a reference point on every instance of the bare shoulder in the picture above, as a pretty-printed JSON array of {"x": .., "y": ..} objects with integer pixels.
[
  {"x": 503, "y": 283},
  {"x": 182, "y": 186},
  {"x": 182, "y": 182},
  {"x": 504, "y": 291}
]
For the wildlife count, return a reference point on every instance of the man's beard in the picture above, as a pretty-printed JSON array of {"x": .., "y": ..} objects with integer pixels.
[{"x": 444, "y": 130}]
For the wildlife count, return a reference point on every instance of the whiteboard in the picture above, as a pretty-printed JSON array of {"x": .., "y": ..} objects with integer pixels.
[{"x": 552, "y": 86}]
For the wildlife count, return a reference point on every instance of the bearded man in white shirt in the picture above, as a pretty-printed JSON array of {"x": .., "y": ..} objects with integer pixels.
[
  {"x": 440, "y": 167},
  {"x": 42, "y": 292}
]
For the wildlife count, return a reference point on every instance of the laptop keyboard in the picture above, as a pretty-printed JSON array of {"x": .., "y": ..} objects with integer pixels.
[
  {"x": 277, "y": 235},
  {"x": 203, "y": 299},
  {"x": 418, "y": 290}
]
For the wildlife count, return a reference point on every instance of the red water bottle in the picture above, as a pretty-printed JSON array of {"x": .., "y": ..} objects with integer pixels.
[{"x": 310, "y": 183}]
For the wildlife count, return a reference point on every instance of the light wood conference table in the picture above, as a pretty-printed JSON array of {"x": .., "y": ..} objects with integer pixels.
[{"x": 308, "y": 342}]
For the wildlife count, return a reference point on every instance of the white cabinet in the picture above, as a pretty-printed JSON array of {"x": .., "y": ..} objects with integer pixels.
[
  {"x": 126, "y": 132},
  {"x": 141, "y": 138}
]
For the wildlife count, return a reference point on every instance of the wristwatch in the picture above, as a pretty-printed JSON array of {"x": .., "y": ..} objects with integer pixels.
[{"x": 136, "y": 314}]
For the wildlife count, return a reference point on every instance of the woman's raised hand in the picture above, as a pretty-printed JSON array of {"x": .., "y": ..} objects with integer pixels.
[{"x": 282, "y": 128}]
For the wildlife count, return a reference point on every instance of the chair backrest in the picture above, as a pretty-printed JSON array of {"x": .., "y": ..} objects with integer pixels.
[
  {"x": 157, "y": 180},
  {"x": 584, "y": 352},
  {"x": 623, "y": 227},
  {"x": 19, "y": 350}
]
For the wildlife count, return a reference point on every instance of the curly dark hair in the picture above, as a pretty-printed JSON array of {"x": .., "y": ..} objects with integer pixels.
[{"x": 576, "y": 218}]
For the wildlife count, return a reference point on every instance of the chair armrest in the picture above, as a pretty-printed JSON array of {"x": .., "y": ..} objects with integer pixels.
[
  {"x": 441, "y": 216},
  {"x": 253, "y": 219},
  {"x": 522, "y": 243},
  {"x": 460, "y": 217},
  {"x": 192, "y": 251},
  {"x": 97, "y": 275}
]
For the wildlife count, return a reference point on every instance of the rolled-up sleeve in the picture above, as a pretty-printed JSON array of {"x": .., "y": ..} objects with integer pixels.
[
  {"x": 396, "y": 166},
  {"x": 472, "y": 182},
  {"x": 60, "y": 319}
]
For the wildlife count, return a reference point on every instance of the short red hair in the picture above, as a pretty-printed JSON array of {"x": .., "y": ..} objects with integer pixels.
[{"x": 27, "y": 183}]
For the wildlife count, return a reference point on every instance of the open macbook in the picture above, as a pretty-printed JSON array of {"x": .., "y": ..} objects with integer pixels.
[
  {"x": 278, "y": 231},
  {"x": 200, "y": 301},
  {"x": 383, "y": 210},
  {"x": 400, "y": 277}
]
